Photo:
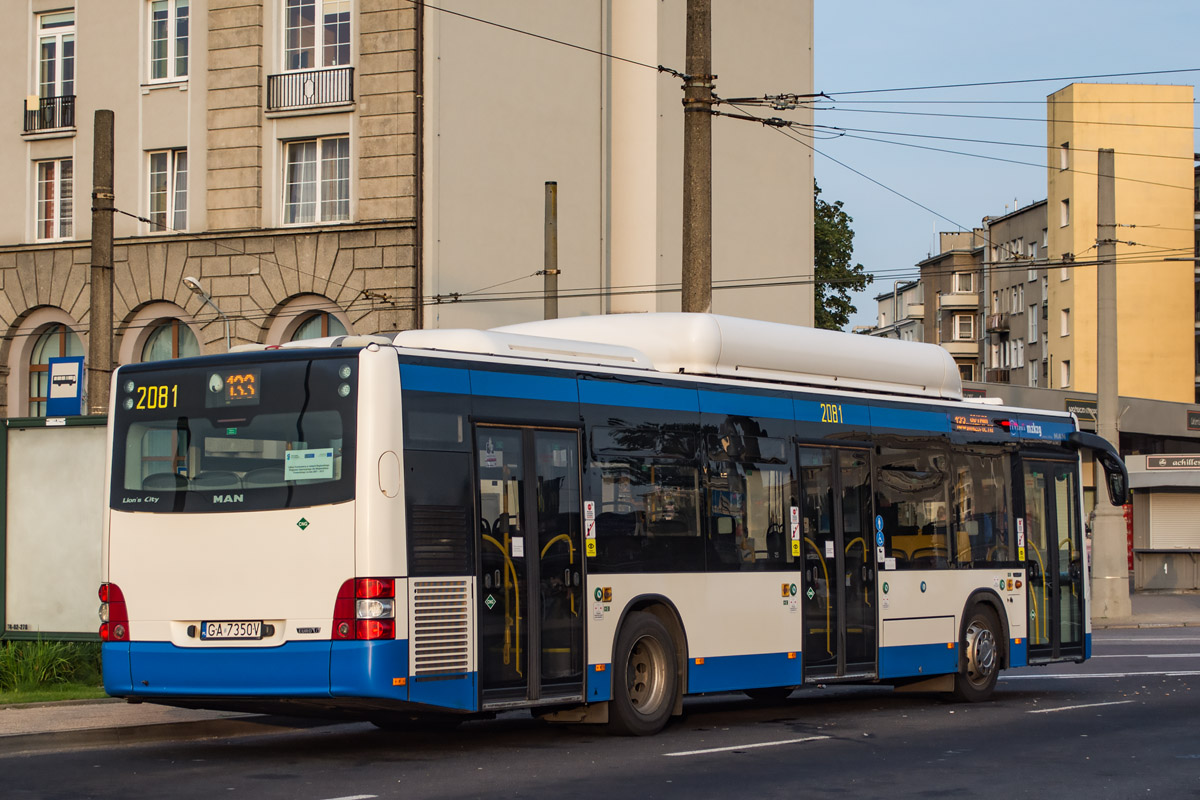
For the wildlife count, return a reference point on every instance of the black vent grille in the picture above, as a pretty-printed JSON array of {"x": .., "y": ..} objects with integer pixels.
[{"x": 439, "y": 540}]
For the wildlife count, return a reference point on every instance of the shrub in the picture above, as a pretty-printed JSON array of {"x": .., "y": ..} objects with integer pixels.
[{"x": 28, "y": 665}]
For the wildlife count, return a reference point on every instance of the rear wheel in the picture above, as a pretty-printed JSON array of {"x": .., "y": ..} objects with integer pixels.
[
  {"x": 976, "y": 678},
  {"x": 645, "y": 677}
]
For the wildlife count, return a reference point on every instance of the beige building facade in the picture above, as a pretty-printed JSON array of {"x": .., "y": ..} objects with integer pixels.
[
  {"x": 1150, "y": 128},
  {"x": 330, "y": 166}
]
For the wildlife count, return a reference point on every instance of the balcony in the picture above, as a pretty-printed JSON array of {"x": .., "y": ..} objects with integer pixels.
[
  {"x": 997, "y": 323},
  {"x": 962, "y": 348},
  {"x": 958, "y": 300},
  {"x": 49, "y": 113},
  {"x": 917, "y": 311},
  {"x": 314, "y": 88},
  {"x": 996, "y": 376}
]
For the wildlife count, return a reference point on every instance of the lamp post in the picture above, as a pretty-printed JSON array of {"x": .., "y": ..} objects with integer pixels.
[{"x": 197, "y": 289}]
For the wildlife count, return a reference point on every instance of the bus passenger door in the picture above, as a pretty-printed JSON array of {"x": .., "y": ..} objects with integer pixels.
[
  {"x": 1053, "y": 560},
  {"x": 530, "y": 561},
  {"x": 839, "y": 568}
]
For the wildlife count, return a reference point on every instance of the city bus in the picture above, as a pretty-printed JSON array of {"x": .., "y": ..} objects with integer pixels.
[{"x": 591, "y": 518}]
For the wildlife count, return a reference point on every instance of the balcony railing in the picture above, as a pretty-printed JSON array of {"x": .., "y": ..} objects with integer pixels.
[
  {"x": 997, "y": 323},
  {"x": 310, "y": 89},
  {"x": 50, "y": 113},
  {"x": 996, "y": 376}
]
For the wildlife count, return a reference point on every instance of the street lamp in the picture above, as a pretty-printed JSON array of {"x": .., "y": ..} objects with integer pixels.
[{"x": 197, "y": 289}]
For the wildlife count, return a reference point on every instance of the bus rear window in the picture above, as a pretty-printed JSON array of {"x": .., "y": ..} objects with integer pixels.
[{"x": 289, "y": 445}]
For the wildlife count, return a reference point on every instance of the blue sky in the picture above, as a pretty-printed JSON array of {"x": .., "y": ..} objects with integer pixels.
[{"x": 877, "y": 45}]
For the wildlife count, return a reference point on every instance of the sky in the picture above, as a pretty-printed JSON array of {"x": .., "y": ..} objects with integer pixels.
[{"x": 879, "y": 45}]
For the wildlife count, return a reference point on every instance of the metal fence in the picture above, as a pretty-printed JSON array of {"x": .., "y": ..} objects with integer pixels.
[
  {"x": 318, "y": 87},
  {"x": 51, "y": 113}
]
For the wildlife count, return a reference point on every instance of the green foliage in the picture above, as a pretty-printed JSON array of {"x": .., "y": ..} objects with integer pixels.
[
  {"x": 835, "y": 277},
  {"x": 27, "y": 666}
]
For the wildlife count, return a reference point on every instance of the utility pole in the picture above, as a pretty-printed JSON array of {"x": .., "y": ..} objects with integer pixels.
[
  {"x": 100, "y": 315},
  {"x": 1110, "y": 563},
  {"x": 697, "y": 159},
  {"x": 550, "y": 271}
]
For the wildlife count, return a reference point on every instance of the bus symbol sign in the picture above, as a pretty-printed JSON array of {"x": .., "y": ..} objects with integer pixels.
[
  {"x": 490, "y": 602},
  {"x": 879, "y": 522},
  {"x": 810, "y": 594},
  {"x": 302, "y": 524},
  {"x": 599, "y": 593}
]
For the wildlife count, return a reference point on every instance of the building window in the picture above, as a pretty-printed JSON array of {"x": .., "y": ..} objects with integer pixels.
[
  {"x": 1065, "y": 322},
  {"x": 996, "y": 302},
  {"x": 170, "y": 339},
  {"x": 964, "y": 281},
  {"x": 1033, "y": 326},
  {"x": 56, "y": 54},
  {"x": 966, "y": 372},
  {"x": 964, "y": 327},
  {"x": 55, "y": 341},
  {"x": 1020, "y": 356},
  {"x": 168, "y": 190},
  {"x": 1064, "y": 374},
  {"x": 54, "y": 199},
  {"x": 168, "y": 40},
  {"x": 995, "y": 356},
  {"x": 316, "y": 185},
  {"x": 318, "y": 325},
  {"x": 1033, "y": 372},
  {"x": 1064, "y": 213},
  {"x": 1064, "y": 155},
  {"x": 303, "y": 47}
]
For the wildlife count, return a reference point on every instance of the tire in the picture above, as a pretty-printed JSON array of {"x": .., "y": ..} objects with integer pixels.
[
  {"x": 770, "y": 695},
  {"x": 645, "y": 677},
  {"x": 981, "y": 656}
]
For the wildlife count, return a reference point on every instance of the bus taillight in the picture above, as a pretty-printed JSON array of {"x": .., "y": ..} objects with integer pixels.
[
  {"x": 365, "y": 609},
  {"x": 114, "y": 617}
]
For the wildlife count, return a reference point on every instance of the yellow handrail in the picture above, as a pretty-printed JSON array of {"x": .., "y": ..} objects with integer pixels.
[
  {"x": 866, "y": 557},
  {"x": 1037, "y": 619},
  {"x": 570, "y": 560},
  {"x": 828, "y": 627},
  {"x": 511, "y": 636}
]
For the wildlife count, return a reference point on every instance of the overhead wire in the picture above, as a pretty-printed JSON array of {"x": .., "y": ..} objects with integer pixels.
[{"x": 1014, "y": 82}]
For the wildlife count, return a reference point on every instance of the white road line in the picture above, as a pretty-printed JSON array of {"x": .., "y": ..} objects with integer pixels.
[
  {"x": 1075, "y": 708},
  {"x": 1166, "y": 674},
  {"x": 1107, "y": 640},
  {"x": 355, "y": 797},
  {"x": 747, "y": 746}
]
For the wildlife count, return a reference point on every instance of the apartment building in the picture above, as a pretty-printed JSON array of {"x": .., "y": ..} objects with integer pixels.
[
  {"x": 901, "y": 312},
  {"x": 952, "y": 286},
  {"x": 1014, "y": 291},
  {"x": 331, "y": 166},
  {"x": 1151, "y": 129}
]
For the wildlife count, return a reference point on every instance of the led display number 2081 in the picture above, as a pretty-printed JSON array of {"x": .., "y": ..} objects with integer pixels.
[{"x": 150, "y": 398}]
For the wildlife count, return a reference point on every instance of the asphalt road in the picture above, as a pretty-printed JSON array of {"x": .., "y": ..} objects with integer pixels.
[{"x": 1125, "y": 724}]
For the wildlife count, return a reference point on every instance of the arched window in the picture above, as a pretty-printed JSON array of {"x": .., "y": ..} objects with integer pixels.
[
  {"x": 170, "y": 339},
  {"x": 317, "y": 325},
  {"x": 55, "y": 341}
]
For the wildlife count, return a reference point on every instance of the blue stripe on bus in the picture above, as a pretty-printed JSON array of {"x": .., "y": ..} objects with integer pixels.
[
  {"x": 526, "y": 387},
  {"x": 1018, "y": 653},
  {"x": 1087, "y": 645},
  {"x": 726, "y": 673},
  {"x": 746, "y": 405},
  {"x": 114, "y": 668},
  {"x": 917, "y": 659},
  {"x": 639, "y": 395},
  {"x": 599, "y": 682},
  {"x": 435, "y": 379},
  {"x": 369, "y": 669},
  {"x": 456, "y": 691},
  {"x": 816, "y": 411},
  {"x": 909, "y": 419},
  {"x": 294, "y": 669}
]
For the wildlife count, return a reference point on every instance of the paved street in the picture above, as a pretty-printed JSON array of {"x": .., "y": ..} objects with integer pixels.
[{"x": 1122, "y": 725}]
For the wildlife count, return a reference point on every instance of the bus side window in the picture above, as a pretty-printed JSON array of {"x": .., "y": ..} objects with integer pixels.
[
  {"x": 911, "y": 498},
  {"x": 982, "y": 503}
]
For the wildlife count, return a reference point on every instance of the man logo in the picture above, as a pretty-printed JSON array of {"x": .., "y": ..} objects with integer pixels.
[{"x": 228, "y": 498}]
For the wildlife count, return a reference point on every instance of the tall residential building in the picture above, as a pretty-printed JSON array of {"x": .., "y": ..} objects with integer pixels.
[
  {"x": 1014, "y": 295},
  {"x": 1151, "y": 129},
  {"x": 330, "y": 166},
  {"x": 951, "y": 290}
]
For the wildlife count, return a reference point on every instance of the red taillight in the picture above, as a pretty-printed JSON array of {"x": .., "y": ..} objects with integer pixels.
[
  {"x": 114, "y": 616},
  {"x": 365, "y": 609}
]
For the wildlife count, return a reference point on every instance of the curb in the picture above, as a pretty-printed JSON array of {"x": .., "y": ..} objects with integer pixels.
[{"x": 122, "y": 735}]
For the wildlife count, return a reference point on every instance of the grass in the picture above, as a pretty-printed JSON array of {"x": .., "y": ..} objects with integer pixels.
[{"x": 41, "y": 671}]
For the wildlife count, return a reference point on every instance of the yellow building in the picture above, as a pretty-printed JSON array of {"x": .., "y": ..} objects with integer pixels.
[{"x": 1150, "y": 128}]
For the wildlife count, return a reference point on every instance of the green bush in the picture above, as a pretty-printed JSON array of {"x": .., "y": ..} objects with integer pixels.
[{"x": 29, "y": 665}]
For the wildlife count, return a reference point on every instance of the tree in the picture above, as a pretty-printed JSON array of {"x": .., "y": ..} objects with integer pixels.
[{"x": 834, "y": 277}]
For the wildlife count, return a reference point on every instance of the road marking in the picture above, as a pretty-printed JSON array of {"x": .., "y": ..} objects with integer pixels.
[
  {"x": 1165, "y": 674},
  {"x": 747, "y": 746},
  {"x": 355, "y": 797},
  {"x": 1076, "y": 708},
  {"x": 1134, "y": 640}
]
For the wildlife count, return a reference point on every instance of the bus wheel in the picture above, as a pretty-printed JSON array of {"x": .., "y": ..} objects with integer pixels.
[
  {"x": 645, "y": 677},
  {"x": 770, "y": 695},
  {"x": 981, "y": 651}
]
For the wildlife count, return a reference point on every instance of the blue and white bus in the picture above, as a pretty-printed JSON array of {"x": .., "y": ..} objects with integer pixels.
[{"x": 591, "y": 518}]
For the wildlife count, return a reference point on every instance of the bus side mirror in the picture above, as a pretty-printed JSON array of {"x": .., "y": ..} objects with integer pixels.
[{"x": 1116, "y": 477}]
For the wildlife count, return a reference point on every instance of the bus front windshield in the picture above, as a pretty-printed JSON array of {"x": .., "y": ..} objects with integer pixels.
[{"x": 218, "y": 437}]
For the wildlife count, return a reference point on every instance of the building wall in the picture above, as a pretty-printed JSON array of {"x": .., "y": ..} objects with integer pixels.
[
  {"x": 1151, "y": 130},
  {"x": 1012, "y": 348},
  {"x": 505, "y": 113}
]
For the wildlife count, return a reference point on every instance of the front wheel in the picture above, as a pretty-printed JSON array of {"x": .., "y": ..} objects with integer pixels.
[
  {"x": 645, "y": 677},
  {"x": 976, "y": 679}
]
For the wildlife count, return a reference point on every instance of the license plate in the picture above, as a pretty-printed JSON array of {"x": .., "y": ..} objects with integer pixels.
[{"x": 231, "y": 630}]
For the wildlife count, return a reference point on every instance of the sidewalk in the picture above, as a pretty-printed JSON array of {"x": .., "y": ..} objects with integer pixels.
[{"x": 90, "y": 723}]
